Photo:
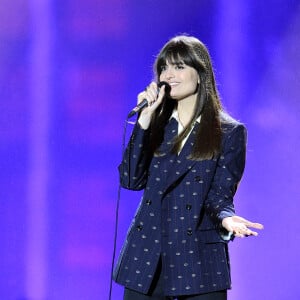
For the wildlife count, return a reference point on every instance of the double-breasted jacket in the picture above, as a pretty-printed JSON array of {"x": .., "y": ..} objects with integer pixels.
[{"x": 179, "y": 217}]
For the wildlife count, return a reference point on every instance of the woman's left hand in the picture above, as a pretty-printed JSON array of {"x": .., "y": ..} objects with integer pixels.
[{"x": 240, "y": 226}]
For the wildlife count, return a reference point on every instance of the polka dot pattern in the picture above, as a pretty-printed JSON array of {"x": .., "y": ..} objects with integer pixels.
[{"x": 178, "y": 218}]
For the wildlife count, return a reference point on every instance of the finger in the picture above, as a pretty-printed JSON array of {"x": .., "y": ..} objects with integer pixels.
[
  {"x": 248, "y": 223},
  {"x": 255, "y": 225},
  {"x": 242, "y": 229},
  {"x": 142, "y": 96},
  {"x": 151, "y": 94},
  {"x": 161, "y": 93},
  {"x": 245, "y": 233},
  {"x": 238, "y": 234},
  {"x": 251, "y": 232},
  {"x": 152, "y": 90},
  {"x": 158, "y": 98}
]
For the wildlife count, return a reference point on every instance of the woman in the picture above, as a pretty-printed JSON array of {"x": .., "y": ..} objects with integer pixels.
[{"x": 188, "y": 155}]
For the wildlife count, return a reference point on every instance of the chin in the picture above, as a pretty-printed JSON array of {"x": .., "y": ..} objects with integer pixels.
[{"x": 172, "y": 96}]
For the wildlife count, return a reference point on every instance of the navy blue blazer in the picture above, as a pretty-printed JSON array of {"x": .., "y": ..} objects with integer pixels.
[{"x": 180, "y": 214}]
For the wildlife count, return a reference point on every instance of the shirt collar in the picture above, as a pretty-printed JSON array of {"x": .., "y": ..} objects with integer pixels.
[{"x": 175, "y": 116}]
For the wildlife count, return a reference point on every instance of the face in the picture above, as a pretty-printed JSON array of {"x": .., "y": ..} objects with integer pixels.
[{"x": 182, "y": 78}]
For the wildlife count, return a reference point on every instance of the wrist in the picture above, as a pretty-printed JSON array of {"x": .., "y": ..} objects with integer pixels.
[{"x": 144, "y": 122}]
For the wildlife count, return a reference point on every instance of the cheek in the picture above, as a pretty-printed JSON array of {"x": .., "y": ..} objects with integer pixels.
[{"x": 194, "y": 82}]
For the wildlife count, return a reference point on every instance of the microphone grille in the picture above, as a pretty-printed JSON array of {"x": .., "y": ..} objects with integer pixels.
[{"x": 167, "y": 86}]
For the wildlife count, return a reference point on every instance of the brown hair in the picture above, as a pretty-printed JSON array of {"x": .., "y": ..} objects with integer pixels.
[{"x": 193, "y": 53}]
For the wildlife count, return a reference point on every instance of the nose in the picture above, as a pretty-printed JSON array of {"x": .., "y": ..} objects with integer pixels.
[{"x": 168, "y": 74}]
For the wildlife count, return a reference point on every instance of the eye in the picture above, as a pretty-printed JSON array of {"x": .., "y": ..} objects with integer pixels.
[
  {"x": 163, "y": 68},
  {"x": 179, "y": 66}
]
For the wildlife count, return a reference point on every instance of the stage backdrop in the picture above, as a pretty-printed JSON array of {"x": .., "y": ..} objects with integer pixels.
[{"x": 69, "y": 74}]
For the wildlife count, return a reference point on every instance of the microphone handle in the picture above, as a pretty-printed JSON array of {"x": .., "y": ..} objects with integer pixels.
[{"x": 140, "y": 106}]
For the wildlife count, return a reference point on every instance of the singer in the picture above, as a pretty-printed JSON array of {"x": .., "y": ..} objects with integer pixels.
[{"x": 188, "y": 155}]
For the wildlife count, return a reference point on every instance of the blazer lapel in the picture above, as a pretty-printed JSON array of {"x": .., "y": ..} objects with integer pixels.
[{"x": 180, "y": 164}]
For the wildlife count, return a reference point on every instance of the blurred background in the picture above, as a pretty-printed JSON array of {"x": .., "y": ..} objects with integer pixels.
[{"x": 69, "y": 74}]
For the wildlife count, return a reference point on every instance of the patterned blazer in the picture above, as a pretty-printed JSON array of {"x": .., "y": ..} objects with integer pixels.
[{"x": 180, "y": 213}]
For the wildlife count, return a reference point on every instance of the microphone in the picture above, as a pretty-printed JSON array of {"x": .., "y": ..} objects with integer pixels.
[{"x": 144, "y": 103}]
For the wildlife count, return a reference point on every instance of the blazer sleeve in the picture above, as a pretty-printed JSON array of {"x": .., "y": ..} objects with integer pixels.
[
  {"x": 133, "y": 170},
  {"x": 229, "y": 171}
]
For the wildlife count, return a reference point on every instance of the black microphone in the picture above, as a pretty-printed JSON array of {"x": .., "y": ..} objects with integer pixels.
[{"x": 144, "y": 103}]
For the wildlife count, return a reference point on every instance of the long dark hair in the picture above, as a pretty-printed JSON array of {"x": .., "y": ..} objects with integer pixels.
[{"x": 193, "y": 53}]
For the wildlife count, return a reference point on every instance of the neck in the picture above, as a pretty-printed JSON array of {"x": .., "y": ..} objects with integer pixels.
[{"x": 185, "y": 109}]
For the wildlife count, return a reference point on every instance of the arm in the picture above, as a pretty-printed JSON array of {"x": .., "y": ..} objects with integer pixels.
[
  {"x": 229, "y": 171},
  {"x": 228, "y": 175},
  {"x": 137, "y": 157},
  {"x": 133, "y": 169}
]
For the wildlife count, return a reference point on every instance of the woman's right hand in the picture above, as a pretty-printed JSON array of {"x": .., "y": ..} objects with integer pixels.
[{"x": 154, "y": 98}]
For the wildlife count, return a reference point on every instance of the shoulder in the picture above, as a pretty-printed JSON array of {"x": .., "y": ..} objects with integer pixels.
[
  {"x": 229, "y": 124},
  {"x": 233, "y": 131}
]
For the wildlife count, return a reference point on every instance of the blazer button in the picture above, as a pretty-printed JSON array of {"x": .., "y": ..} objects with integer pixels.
[
  {"x": 197, "y": 178},
  {"x": 139, "y": 227},
  {"x": 148, "y": 202},
  {"x": 188, "y": 206},
  {"x": 189, "y": 232}
]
